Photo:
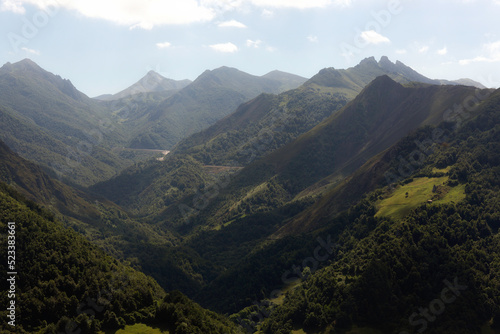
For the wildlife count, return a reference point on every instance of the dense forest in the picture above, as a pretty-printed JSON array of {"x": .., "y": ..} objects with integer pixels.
[{"x": 66, "y": 284}]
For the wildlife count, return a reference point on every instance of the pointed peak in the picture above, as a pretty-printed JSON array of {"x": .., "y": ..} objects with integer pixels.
[
  {"x": 221, "y": 72},
  {"x": 26, "y": 61},
  {"x": 274, "y": 72},
  {"x": 25, "y": 64},
  {"x": 152, "y": 75},
  {"x": 384, "y": 60},
  {"x": 368, "y": 61},
  {"x": 226, "y": 69},
  {"x": 383, "y": 81},
  {"x": 384, "y": 78}
]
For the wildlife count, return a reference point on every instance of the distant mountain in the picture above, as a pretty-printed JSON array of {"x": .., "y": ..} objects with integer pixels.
[
  {"x": 353, "y": 79},
  {"x": 213, "y": 95},
  {"x": 151, "y": 82},
  {"x": 288, "y": 81},
  {"x": 47, "y": 120},
  {"x": 464, "y": 82}
]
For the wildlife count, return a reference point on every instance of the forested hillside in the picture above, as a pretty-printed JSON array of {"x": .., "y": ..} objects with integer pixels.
[
  {"x": 392, "y": 265},
  {"x": 63, "y": 283}
]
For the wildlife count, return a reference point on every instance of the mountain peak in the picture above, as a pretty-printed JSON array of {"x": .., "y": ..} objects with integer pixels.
[
  {"x": 153, "y": 73},
  {"x": 368, "y": 61},
  {"x": 151, "y": 82},
  {"x": 227, "y": 69},
  {"x": 27, "y": 68},
  {"x": 152, "y": 79},
  {"x": 23, "y": 65},
  {"x": 386, "y": 64},
  {"x": 383, "y": 81}
]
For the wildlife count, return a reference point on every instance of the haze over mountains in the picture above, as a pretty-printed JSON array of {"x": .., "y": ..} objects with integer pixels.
[{"x": 344, "y": 201}]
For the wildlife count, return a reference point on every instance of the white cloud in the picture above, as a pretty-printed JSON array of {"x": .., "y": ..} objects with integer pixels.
[
  {"x": 231, "y": 24},
  {"x": 163, "y": 45},
  {"x": 147, "y": 14},
  {"x": 12, "y": 6},
  {"x": 254, "y": 44},
  {"x": 299, "y": 4},
  {"x": 142, "y": 25},
  {"x": 33, "y": 52},
  {"x": 442, "y": 51},
  {"x": 224, "y": 47},
  {"x": 137, "y": 14},
  {"x": 373, "y": 37},
  {"x": 313, "y": 39},
  {"x": 423, "y": 49},
  {"x": 222, "y": 5},
  {"x": 491, "y": 54},
  {"x": 266, "y": 13}
]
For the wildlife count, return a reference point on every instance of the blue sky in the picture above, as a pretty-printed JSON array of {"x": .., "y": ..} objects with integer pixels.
[{"x": 104, "y": 46}]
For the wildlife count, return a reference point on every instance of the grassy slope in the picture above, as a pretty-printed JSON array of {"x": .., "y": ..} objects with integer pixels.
[
  {"x": 420, "y": 191},
  {"x": 137, "y": 329}
]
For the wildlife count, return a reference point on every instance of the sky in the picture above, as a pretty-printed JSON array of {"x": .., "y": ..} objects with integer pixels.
[{"x": 104, "y": 46}]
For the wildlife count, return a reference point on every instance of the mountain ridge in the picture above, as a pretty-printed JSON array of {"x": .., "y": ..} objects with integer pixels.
[{"x": 151, "y": 82}]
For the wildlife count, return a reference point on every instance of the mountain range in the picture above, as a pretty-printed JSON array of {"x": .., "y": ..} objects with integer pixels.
[
  {"x": 356, "y": 201},
  {"x": 261, "y": 126}
]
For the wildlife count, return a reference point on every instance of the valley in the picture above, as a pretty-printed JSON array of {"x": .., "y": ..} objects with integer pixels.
[{"x": 234, "y": 203}]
